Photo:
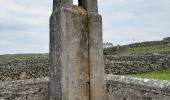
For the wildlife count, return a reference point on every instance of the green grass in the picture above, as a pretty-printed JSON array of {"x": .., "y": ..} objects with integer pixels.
[
  {"x": 148, "y": 50},
  {"x": 9, "y": 57},
  {"x": 161, "y": 75},
  {"x": 137, "y": 50}
]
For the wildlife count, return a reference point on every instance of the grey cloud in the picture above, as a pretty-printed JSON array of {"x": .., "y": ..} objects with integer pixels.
[
  {"x": 125, "y": 20},
  {"x": 25, "y": 23}
]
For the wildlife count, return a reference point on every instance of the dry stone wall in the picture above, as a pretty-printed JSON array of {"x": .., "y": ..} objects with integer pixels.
[
  {"x": 118, "y": 88},
  {"x": 38, "y": 67},
  {"x": 126, "y": 88},
  {"x": 24, "y": 69},
  {"x": 32, "y": 89},
  {"x": 136, "y": 64}
]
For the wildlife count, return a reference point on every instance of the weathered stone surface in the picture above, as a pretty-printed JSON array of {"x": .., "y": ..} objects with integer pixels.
[
  {"x": 89, "y": 5},
  {"x": 119, "y": 88},
  {"x": 62, "y": 3},
  {"x": 75, "y": 68},
  {"x": 69, "y": 55},
  {"x": 126, "y": 88},
  {"x": 96, "y": 57},
  {"x": 33, "y": 89}
]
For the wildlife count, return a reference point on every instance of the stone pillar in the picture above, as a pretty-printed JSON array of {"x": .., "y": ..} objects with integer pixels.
[{"x": 76, "y": 52}]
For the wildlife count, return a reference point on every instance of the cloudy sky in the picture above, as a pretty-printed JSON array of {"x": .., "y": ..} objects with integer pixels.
[{"x": 24, "y": 23}]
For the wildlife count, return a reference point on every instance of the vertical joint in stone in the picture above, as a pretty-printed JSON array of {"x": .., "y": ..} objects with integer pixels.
[
  {"x": 62, "y": 3},
  {"x": 89, "y": 5}
]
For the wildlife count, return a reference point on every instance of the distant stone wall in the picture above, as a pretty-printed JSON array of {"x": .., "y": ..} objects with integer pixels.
[
  {"x": 33, "y": 89},
  {"x": 30, "y": 68},
  {"x": 125, "y": 88},
  {"x": 118, "y": 87},
  {"x": 37, "y": 67},
  {"x": 136, "y": 64}
]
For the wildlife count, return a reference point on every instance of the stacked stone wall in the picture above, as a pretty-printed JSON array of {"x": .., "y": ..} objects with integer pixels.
[
  {"x": 32, "y": 89},
  {"x": 118, "y": 88},
  {"x": 136, "y": 64},
  {"x": 126, "y": 88},
  {"x": 24, "y": 69},
  {"x": 38, "y": 67}
]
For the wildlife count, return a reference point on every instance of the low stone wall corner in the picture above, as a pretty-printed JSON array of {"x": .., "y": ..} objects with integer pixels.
[{"x": 128, "y": 88}]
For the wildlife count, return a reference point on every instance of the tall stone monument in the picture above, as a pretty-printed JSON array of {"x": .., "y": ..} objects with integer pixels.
[{"x": 76, "y": 52}]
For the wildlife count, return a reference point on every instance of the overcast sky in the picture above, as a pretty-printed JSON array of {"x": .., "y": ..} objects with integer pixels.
[{"x": 24, "y": 24}]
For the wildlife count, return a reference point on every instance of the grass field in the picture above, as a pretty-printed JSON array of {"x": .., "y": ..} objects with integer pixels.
[
  {"x": 9, "y": 57},
  {"x": 161, "y": 75},
  {"x": 148, "y": 50},
  {"x": 137, "y": 50}
]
